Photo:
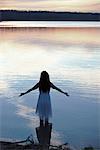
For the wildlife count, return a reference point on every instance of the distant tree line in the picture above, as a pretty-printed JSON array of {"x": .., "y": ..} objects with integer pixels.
[{"x": 14, "y": 15}]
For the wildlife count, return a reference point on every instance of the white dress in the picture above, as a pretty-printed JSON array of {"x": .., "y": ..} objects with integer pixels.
[{"x": 43, "y": 108}]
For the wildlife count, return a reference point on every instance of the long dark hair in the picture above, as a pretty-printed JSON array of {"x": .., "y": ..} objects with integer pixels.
[{"x": 44, "y": 83}]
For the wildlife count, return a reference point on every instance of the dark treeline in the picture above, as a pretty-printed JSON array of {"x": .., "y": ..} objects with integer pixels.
[{"x": 14, "y": 15}]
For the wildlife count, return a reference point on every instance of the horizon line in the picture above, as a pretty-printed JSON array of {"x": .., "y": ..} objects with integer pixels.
[{"x": 48, "y": 11}]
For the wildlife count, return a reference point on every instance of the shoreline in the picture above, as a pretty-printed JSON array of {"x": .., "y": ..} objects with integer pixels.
[
  {"x": 16, "y": 15},
  {"x": 36, "y": 146}
]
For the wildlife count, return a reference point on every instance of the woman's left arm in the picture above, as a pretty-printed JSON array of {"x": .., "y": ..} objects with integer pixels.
[{"x": 33, "y": 88}]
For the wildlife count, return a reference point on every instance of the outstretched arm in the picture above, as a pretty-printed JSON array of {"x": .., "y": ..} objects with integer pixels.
[
  {"x": 56, "y": 88},
  {"x": 33, "y": 88}
]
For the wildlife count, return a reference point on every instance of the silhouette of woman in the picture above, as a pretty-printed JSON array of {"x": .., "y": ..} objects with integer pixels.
[{"x": 43, "y": 108}]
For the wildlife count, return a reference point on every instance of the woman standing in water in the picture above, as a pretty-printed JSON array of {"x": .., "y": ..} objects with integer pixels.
[{"x": 44, "y": 109}]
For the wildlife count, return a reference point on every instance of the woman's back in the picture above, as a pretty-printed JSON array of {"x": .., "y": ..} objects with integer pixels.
[{"x": 44, "y": 83}]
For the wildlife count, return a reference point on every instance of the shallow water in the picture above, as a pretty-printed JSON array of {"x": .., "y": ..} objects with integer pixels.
[{"x": 72, "y": 58}]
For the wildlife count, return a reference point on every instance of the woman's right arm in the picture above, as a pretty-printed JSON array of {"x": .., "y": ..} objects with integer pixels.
[
  {"x": 33, "y": 88},
  {"x": 56, "y": 88}
]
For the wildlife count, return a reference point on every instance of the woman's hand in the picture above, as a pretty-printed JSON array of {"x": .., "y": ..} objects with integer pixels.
[
  {"x": 21, "y": 94},
  {"x": 66, "y": 94}
]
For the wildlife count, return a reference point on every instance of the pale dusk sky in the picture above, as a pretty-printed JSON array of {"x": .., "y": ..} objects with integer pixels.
[{"x": 52, "y": 5}]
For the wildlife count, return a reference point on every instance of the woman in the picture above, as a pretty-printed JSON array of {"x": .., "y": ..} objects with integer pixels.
[{"x": 43, "y": 109}]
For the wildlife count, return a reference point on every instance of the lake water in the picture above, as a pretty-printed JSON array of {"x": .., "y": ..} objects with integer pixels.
[
  {"x": 72, "y": 57},
  {"x": 50, "y": 24}
]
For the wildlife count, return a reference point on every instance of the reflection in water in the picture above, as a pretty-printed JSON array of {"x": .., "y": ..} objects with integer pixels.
[
  {"x": 44, "y": 135},
  {"x": 72, "y": 57}
]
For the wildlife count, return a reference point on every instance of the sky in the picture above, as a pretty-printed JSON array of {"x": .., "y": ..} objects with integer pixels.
[{"x": 52, "y": 5}]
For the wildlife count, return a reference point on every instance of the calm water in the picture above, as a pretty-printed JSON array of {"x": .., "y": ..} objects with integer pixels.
[
  {"x": 50, "y": 24},
  {"x": 72, "y": 58}
]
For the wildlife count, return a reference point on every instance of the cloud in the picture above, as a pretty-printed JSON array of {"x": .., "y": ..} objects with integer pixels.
[{"x": 54, "y": 5}]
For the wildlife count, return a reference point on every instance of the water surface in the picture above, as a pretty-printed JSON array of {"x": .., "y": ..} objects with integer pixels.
[
  {"x": 50, "y": 24},
  {"x": 72, "y": 57}
]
